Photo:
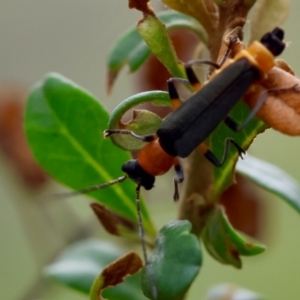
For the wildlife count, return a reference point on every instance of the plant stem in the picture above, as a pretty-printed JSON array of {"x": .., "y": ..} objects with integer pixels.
[{"x": 194, "y": 201}]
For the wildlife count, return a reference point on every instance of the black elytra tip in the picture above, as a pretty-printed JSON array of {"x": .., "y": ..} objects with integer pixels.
[
  {"x": 279, "y": 33},
  {"x": 273, "y": 41}
]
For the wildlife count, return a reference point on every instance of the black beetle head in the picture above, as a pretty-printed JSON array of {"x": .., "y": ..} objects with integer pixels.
[{"x": 136, "y": 173}]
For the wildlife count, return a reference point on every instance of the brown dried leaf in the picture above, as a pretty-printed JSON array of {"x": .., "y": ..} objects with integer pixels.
[
  {"x": 231, "y": 3},
  {"x": 110, "y": 79},
  {"x": 237, "y": 24},
  {"x": 212, "y": 12},
  {"x": 115, "y": 273},
  {"x": 280, "y": 63},
  {"x": 205, "y": 11},
  {"x": 244, "y": 206},
  {"x": 281, "y": 110},
  {"x": 113, "y": 223},
  {"x": 231, "y": 10},
  {"x": 12, "y": 137},
  {"x": 141, "y": 5},
  {"x": 128, "y": 264}
]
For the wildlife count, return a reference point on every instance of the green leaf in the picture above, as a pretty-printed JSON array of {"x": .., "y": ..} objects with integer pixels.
[
  {"x": 223, "y": 177},
  {"x": 267, "y": 15},
  {"x": 224, "y": 243},
  {"x": 174, "y": 263},
  {"x": 155, "y": 35},
  {"x": 64, "y": 126},
  {"x": 271, "y": 178},
  {"x": 80, "y": 264},
  {"x": 132, "y": 49},
  {"x": 142, "y": 124},
  {"x": 232, "y": 292}
]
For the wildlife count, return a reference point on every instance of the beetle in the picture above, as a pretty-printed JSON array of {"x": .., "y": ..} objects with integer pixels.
[{"x": 187, "y": 127}]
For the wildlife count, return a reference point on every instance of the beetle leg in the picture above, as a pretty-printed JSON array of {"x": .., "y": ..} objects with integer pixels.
[
  {"x": 192, "y": 80},
  {"x": 175, "y": 100},
  {"x": 144, "y": 138},
  {"x": 177, "y": 179},
  {"x": 192, "y": 77},
  {"x": 213, "y": 159},
  {"x": 233, "y": 125}
]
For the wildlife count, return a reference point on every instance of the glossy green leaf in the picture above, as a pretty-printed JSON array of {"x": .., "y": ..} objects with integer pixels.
[
  {"x": 143, "y": 123},
  {"x": 156, "y": 36},
  {"x": 223, "y": 176},
  {"x": 80, "y": 264},
  {"x": 131, "y": 49},
  {"x": 175, "y": 261},
  {"x": 224, "y": 243},
  {"x": 267, "y": 15},
  {"x": 271, "y": 178},
  {"x": 64, "y": 126},
  {"x": 232, "y": 292}
]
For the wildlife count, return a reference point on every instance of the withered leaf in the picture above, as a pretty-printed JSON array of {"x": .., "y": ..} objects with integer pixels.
[
  {"x": 12, "y": 137},
  {"x": 113, "y": 223},
  {"x": 141, "y": 5},
  {"x": 115, "y": 273},
  {"x": 280, "y": 63},
  {"x": 212, "y": 11},
  {"x": 281, "y": 110},
  {"x": 206, "y": 12},
  {"x": 232, "y": 10},
  {"x": 244, "y": 206}
]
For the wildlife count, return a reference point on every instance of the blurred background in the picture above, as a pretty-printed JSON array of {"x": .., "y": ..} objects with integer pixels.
[{"x": 74, "y": 37}]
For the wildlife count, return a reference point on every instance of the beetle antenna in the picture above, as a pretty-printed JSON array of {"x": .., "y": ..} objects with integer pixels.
[{"x": 92, "y": 188}]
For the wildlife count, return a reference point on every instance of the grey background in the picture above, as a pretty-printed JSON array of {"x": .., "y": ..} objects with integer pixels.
[{"x": 74, "y": 38}]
